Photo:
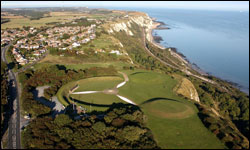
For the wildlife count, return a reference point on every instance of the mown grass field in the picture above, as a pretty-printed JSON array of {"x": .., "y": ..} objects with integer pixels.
[
  {"x": 154, "y": 92},
  {"x": 99, "y": 101},
  {"x": 172, "y": 119},
  {"x": 83, "y": 65},
  {"x": 19, "y": 22},
  {"x": 92, "y": 84},
  {"x": 102, "y": 42},
  {"x": 98, "y": 83},
  {"x": 61, "y": 60}
]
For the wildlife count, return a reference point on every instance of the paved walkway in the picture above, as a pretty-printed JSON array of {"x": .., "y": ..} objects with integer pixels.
[
  {"x": 126, "y": 99},
  {"x": 86, "y": 92},
  {"x": 53, "y": 104}
]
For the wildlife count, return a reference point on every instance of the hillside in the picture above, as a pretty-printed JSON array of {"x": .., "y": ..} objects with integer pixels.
[{"x": 174, "y": 106}]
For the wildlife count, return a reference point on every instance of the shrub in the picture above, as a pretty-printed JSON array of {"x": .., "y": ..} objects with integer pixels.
[
  {"x": 213, "y": 127},
  {"x": 109, "y": 117},
  {"x": 132, "y": 133},
  {"x": 62, "y": 120},
  {"x": 99, "y": 127},
  {"x": 118, "y": 122}
]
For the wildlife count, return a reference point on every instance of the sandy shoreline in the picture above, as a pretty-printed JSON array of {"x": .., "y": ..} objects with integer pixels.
[{"x": 151, "y": 37}]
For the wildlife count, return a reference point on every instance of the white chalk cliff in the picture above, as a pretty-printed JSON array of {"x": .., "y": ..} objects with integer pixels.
[{"x": 143, "y": 21}]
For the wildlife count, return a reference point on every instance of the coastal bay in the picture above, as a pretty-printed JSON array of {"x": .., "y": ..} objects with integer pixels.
[
  {"x": 214, "y": 42},
  {"x": 212, "y": 50}
]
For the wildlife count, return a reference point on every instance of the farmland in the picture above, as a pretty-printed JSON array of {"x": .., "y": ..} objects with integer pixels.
[{"x": 20, "y": 21}]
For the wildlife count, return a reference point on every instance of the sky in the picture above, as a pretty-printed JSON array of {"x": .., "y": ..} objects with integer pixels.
[{"x": 205, "y": 5}]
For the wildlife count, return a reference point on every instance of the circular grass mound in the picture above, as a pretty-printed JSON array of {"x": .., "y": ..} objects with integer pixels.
[
  {"x": 98, "y": 101},
  {"x": 97, "y": 83},
  {"x": 169, "y": 109}
]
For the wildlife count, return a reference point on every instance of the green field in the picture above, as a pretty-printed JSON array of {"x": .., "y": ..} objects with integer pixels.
[
  {"x": 102, "y": 42},
  {"x": 117, "y": 65},
  {"x": 20, "y": 22},
  {"x": 99, "y": 101},
  {"x": 92, "y": 84},
  {"x": 172, "y": 119},
  {"x": 98, "y": 83}
]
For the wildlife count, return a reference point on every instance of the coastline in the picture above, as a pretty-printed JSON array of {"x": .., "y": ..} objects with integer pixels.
[
  {"x": 193, "y": 66},
  {"x": 151, "y": 37},
  {"x": 179, "y": 55}
]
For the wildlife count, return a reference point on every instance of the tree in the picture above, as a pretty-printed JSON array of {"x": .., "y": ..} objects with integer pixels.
[
  {"x": 65, "y": 36},
  {"x": 45, "y": 132},
  {"x": 30, "y": 35},
  {"x": 62, "y": 120},
  {"x": 118, "y": 122},
  {"x": 131, "y": 133},
  {"x": 99, "y": 127}
]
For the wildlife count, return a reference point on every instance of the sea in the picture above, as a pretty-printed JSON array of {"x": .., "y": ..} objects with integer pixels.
[{"x": 216, "y": 41}]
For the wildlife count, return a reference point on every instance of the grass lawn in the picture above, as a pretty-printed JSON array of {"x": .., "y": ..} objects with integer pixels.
[
  {"x": 173, "y": 120},
  {"x": 117, "y": 65},
  {"x": 154, "y": 92},
  {"x": 90, "y": 84},
  {"x": 96, "y": 101},
  {"x": 98, "y": 83},
  {"x": 61, "y": 60},
  {"x": 8, "y": 58},
  {"x": 20, "y": 22},
  {"x": 104, "y": 41}
]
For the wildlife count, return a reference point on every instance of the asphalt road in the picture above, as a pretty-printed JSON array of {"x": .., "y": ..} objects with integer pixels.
[{"x": 14, "y": 138}]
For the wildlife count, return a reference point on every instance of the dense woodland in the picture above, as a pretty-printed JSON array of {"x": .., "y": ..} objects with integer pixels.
[
  {"x": 233, "y": 104},
  {"x": 122, "y": 127},
  {"x": 32, "y": 14},
  {"x": 4, "y": 93},
  {"x": 4, "y": 20},
  {"x": 78, "y": 22},
  {"x": 223, "y": 129}
]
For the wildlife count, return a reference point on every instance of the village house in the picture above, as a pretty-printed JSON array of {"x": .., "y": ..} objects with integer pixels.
[
  {"x": 37, "y": 53},
  {"x": 39, "y": 43},
  {"x": 115, "y": 52},
  {"x": 85, "y": 40},
  {"x": 92, "y": 36},
  {"x": 75, "y": 44}
]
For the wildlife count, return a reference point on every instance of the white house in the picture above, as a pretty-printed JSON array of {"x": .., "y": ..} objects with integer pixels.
[
  {"x": 75, "y": 44},
  {"x": 115, "y": 52},
  {"x": 85, "y": 40}
]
